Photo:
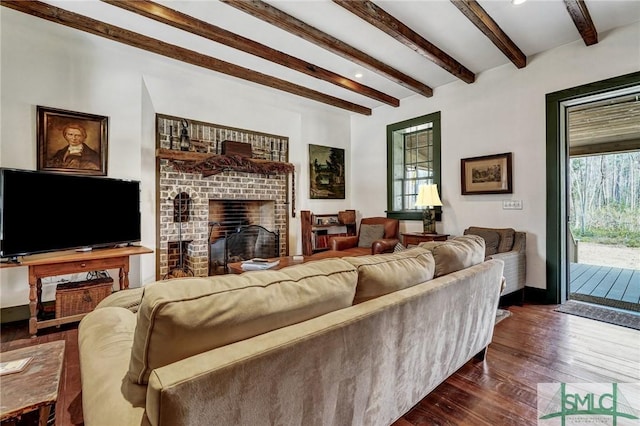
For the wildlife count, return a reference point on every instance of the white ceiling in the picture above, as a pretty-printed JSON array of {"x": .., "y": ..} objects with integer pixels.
[{"x": 535, "y": 26}]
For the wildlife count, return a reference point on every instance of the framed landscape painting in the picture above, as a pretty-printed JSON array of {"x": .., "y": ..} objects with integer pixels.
[
  {"x": 326, "y": 172},
  {"x": 72, "y": 142},
  {"x": 490, "y": 174}
]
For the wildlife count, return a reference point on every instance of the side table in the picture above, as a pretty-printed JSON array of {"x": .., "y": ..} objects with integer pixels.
[
  {"x": 35, "y": 387},
  {"x": 415, "y": 238}
]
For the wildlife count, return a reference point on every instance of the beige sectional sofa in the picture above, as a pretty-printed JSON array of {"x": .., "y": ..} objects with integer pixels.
[
  {"x": 510, "y": 246},
  {"x": 350, "y": 341}
]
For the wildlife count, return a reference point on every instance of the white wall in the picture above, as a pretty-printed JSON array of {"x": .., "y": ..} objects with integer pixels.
[
  {"x": 503, "y": 111},
  {"x": 50, "y": 65}
]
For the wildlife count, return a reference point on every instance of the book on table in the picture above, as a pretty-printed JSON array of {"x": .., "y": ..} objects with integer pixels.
[
  {"x": 16, "y": 366},
  {"x": 259, "y": 264}
]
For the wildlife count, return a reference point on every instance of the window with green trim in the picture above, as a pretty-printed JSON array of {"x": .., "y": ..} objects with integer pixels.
[{"x": 413, "y": 159}]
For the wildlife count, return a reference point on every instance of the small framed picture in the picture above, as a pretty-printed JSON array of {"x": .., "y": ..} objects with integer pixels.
[
  {"x": 490, "y": 174},
  {"x": 72, "y": 142}
]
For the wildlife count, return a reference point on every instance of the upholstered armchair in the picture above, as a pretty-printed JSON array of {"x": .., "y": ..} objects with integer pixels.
[
  {"x": 375, "y": 235},
  {"x": 510, "y": 246}
]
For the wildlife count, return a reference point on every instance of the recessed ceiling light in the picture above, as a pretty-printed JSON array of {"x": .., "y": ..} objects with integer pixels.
[
  {"x": 517, "y": 2},
  {"x": 358, "y": 75}
]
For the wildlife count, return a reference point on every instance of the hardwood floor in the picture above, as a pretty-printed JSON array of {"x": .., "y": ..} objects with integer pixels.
[{"x": 534, "y": 345}]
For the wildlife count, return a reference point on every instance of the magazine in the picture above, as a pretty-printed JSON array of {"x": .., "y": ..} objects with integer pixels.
[
  {"x": 258, "y": 264},
  {"x": 9, "y": 367}
]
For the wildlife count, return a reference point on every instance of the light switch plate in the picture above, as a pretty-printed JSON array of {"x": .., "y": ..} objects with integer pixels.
[{"x": 511, "y": 204}]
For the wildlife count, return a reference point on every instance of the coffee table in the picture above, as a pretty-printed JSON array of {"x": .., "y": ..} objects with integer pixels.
[
  {"x": 236, "y": 267},
  {"x": 35, "y": 387}
]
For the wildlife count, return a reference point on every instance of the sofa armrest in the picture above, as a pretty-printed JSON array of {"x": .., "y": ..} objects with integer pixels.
[
  {"x": 385, "y": 245},
  {"x": 343, "y": 243},
  {"x": 129, "y": 299},
  {"x": 520, "y": 242},
  {"x": 105, "y": 338},
  {"x": 515, "y": 269}
]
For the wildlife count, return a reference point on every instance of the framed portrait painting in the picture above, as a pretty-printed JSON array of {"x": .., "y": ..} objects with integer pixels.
[
  {"x": 490, "y": 174},
  {"x": 72, "y": 142},
  {"x": 326, "y": 172}
]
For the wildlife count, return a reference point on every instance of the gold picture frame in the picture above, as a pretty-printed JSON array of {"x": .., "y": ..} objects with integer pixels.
[
  {"x": 72, "y": 142},
  {"x": 490, "y": 174}
]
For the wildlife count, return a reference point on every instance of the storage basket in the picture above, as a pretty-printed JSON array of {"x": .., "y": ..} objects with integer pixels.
[{"x": 82, "y": 296}]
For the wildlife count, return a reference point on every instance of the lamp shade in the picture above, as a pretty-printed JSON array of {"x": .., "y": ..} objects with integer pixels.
[{"x": 428, "y": 196}]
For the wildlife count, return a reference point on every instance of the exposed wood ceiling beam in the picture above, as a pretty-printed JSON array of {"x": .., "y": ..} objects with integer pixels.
[
  {"x": 485, "y": 23},
  {"x": 582, "y": 18},
  {"x": 282, "y": 20},
  {"x": 111, "y": 32},
  {"x": 382, "y": 20},
  {"x": 192, "y": 25}
]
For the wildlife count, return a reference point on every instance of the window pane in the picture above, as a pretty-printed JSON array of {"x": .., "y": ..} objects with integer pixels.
[{"x": 412, "y": 161}]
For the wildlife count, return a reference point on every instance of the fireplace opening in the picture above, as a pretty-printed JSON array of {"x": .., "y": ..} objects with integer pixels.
[{"x": 241, "y": 230}]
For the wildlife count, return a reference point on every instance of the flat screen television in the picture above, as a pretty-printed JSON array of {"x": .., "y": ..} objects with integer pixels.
[{"x": 43, "y": 212}]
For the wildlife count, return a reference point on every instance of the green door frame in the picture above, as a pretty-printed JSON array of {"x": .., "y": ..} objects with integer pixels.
[{"x": 557, "y": 153}]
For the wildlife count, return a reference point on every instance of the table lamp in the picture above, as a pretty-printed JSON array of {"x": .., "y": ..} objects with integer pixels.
[{"x": 428, "y": 198}]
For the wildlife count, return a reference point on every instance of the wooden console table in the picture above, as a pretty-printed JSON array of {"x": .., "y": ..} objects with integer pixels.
[{"x": 71, "y": 262}]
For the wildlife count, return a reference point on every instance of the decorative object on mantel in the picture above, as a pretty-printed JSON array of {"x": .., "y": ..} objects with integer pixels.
[
  {"x": 209, "y": 165},
  {"x": 490, "y": 174},
  {"x": 428, "y": 198},
  {"x": 212, "y": 164},
  {"x": 241, "y": 149},
  {"x": 185, "y": 141}
]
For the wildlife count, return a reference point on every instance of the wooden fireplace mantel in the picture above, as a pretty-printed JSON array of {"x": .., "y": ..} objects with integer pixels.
[{"x": 212, "y": 164}]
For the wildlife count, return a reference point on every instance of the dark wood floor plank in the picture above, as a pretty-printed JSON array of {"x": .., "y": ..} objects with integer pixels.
[{"x": 534, "y": 345}]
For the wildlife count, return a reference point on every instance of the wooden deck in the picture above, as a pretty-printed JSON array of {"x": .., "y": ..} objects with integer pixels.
[{"x": 616, "y": 287}]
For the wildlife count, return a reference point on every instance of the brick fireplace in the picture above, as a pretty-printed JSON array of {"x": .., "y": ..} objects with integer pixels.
[{"x": 259, "y": 199}]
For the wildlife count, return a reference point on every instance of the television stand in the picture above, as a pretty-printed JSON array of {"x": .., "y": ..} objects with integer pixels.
[
  {"x": 71, "y": 262},
  {"x": 11, "y": 260},
  {"x": 84, "y": 249}
]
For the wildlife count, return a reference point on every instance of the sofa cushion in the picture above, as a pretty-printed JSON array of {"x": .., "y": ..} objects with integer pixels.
[
  {"x": 507, "y": 236},
  {"x": 186, "y": 316},
  {"x": 370, "y": 233},
  {"x": 491, "y": 239},
  {"x": 456, "y": 253},
  {"x": 380, "y": 274}
]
